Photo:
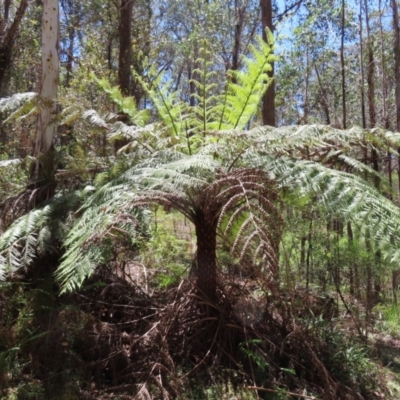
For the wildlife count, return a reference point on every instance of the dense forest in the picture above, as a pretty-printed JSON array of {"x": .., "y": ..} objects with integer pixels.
[{"x": 199, "y": 199}]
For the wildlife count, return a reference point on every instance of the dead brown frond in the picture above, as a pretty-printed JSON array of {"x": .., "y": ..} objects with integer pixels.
[
  {"x": 14, "y": 207},
  {"x": 158, "y": 346}
]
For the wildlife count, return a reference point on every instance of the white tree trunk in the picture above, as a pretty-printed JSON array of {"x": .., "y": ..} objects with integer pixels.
[{"x": 50, "y": 76}]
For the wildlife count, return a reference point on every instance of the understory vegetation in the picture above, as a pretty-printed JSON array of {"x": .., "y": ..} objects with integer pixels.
[{"x": 166, "y": 242}]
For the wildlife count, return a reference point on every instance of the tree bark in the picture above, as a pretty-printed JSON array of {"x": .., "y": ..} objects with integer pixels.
[
  {"x": 342, "y": 68},
  {"x": 7, "y": 37},
  {"x": 240, "y": 12},
  {"x": 396, "y": 54},
  {"x": 125, "y": 46},
  {"x": 363, "y": 118},
  {"x": 268, "y": 104},
  {"x": 370, "y": 75},
  {"x": 48, "y": 87}
]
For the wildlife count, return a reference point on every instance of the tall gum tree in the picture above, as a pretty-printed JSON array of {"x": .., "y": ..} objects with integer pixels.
[{"x": 48, "y": 90}]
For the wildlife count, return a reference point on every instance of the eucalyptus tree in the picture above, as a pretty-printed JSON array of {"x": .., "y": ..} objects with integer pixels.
[
  {"x": 48, "y": 91},
  {"x": 10, "y": 22},
  {"x": 321, "y": 48}
]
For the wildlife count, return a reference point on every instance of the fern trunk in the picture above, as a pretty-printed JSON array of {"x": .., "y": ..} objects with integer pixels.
[{"x": 206, "y": 271}]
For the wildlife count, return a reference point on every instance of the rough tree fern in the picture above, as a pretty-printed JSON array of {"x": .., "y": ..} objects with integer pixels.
[{"x": 222, "y": 177}]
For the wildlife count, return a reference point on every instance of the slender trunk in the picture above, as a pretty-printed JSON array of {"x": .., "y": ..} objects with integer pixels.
[
  {"x": 342, "y": 70},
  {"x": 125, "y": 46},
  {"x": 383, "y": 67},
  {"x": 268, "y": 106},
  {"x": 350, "y": 239},
  {"x": 370, "y": 75},
  {"x": 363, "y": 117},
  {"x": 206, "y": 274},
  {"x": 307, "y": 82},
  {"x": 371, "y": 91},
  {"x": 396, "y": 54},
  {"x": 395, "y": 275},
  {"x": 7, "y": 37},
  {"x": 240, "y": 13},
  {"x": 48, "y": 90},
  {"x": 70, "y": 55},
  {"x": 384, "y": 97},
  {"x": 192, "y": 87},
  {"x": 302, "y": 257},
  {"x": 308, "y": 259},
  {"x": 324, "y": 100},
  {"x": 354, "y": 273}
]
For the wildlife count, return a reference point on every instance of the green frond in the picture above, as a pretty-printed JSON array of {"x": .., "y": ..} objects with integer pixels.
[
  {"x": 126, "y": 104},
  {"x": 342, "y": 195},
  {"x": 107, "y": 214},
  {"x": 203, "y": 113},
  {"x": 166, "y": 101},
  {"x": 322, "y": 138},
  {"x": 71, "y": 114},
  {"x": 18, "y": 243},
  {"x": 20, "y": 105},
  {"x": 95, "y": 119},
  {"x": 245, "y": 90},
  {"x": 36, "y": 232},
  {"x": 249, "y": 217},
  {"x": 8, "y": 163}
]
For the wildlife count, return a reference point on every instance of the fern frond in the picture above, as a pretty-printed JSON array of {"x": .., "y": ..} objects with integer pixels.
[
  {"x": 202, "y": 114},
  {"x": 87, "y": 243},
  {"x": 167, "y": 102},
  {"x": 20, "y": 105},
  {"x": 95, "y": 119},
  {"x": 239, "y": 103},
  {"x": 7, "y": 163},
  {"x": 342, "y": 195},
  {"x": 126, "y": 104},
  {"x": 16, "y": 101},
  {"x": 36, "y": 232}
]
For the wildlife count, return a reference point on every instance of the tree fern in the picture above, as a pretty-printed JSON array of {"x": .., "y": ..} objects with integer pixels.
[
  {"x": 196, "y": 186},
  {"x": 227, "y": 180}
]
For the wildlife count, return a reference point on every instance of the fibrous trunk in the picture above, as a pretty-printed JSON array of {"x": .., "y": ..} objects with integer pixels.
[{"x": 206, "y": 272}]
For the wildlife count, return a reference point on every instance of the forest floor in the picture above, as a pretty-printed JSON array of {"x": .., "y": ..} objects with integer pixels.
[{"x": 140, "y": 333}]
